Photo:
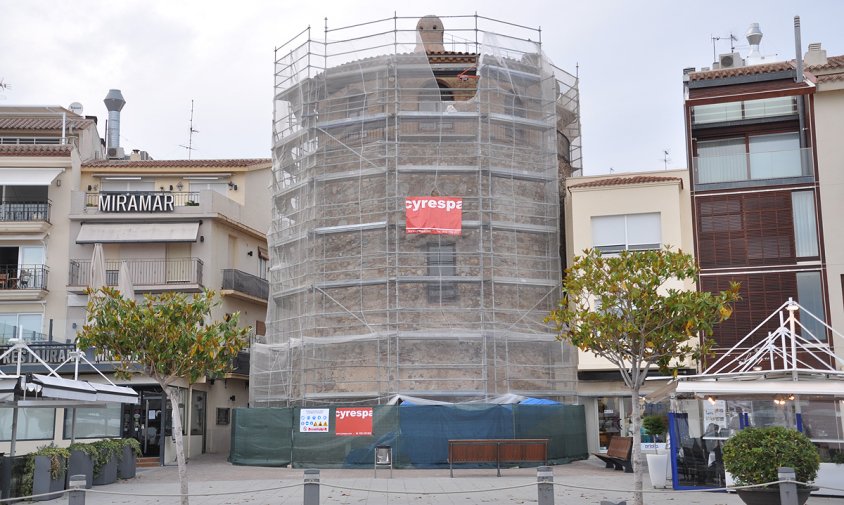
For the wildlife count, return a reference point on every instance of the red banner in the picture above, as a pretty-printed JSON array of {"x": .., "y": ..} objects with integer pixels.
[
  {"x": 353, "y": 421},
  {"x": 436, "y": 215}
]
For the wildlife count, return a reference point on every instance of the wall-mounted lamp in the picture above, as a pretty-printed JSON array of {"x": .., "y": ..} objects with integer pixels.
[
  {"x": 202, "y": 238},
  {"x": 58, "y": 182},
  {"x": 711, "y": 399},
  {"x": 89, "y": 187},
  {"x": 250, "y": 253},
  {"x": 161, "y": 188},
  {"x": 171, "y": 187},
  {"x": 232, "y": 398},
  {"x": 232, "y": 186},
  {"x": 179, "y": 186}
]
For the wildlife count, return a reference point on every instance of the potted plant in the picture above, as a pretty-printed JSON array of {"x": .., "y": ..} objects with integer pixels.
[
  {"x": 81, "y": 462},
  {"x": 44, "y": 472},
  {"x": 656, "y": 426},
  {"x": 130, "y": 450},
  {"x": 754, "y": 456},
  {"x": 105, "y": 465}
]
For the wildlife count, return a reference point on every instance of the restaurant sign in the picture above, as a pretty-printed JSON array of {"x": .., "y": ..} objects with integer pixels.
[{"x": 140, "y": 201}]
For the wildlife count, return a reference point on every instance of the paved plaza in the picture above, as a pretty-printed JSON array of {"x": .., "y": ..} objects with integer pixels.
[{"x": 213, "y": 481}]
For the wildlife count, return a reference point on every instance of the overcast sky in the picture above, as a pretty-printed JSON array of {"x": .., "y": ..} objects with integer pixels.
[{"x": 163, "y": 54}]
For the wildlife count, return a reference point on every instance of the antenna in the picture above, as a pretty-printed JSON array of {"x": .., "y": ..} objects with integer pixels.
[
  {"x": 732, "y": 38},
  {"x": 666, "y": 157},
  {"x": 4, "y": 84},
  {"x": 191, "y": 131}
]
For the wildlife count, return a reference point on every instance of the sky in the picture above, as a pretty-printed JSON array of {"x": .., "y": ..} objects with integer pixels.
[{"x": 163, "y": 54}]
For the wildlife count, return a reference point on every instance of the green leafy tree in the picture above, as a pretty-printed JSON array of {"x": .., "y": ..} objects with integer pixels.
[
  {"x": 169, "y": 337},
  {"x": 620, "y": 308}
]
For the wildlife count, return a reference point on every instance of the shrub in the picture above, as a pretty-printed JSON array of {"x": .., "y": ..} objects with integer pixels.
[
  {"x": 58, "y": 456},
  {"x": 753, "y": 455},
  {"x": 133, "y": 444},
  {"x": 655, "y": 425},
  {"x": 107, "y": 449}
]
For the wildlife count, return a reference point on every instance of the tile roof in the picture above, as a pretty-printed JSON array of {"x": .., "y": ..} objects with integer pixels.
[
  {"x": 832, "y": 70},
  {"x": 177, "y": 163},
  {"x": 35, "y": 150},
  {"x": 41, "y": 123},
  {"x": 624, "y": 181},
  {"x": 764, "y": 68},
  {"x": 832, "y": 63}
]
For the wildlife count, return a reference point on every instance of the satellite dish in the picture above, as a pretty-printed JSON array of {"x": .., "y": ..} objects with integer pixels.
[{"x": 76, "y": 108}]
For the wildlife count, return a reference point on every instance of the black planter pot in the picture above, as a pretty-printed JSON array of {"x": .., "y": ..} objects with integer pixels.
[
  {"x": 771, "y": 495},
  {"x": 81, "y": 464},
  {"x": 108, "y": 473},
  {"x": 127, "y": 466},
  {"x": 43, "y": 482}
]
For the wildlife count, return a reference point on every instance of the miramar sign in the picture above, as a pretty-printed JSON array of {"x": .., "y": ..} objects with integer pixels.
[{"x": 142, "y": 201}]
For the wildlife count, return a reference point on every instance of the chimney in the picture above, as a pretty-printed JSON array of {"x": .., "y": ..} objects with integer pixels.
[
  {"x": 815, "y": 55},
  {"x": 754, "y": 37},
  {"x": 429, "y": 35},
  {"x": 114, "y": 102}
]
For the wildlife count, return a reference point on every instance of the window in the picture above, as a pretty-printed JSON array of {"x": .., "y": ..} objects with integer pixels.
[
  {"x": 805, "y": 226},
  {"x": 26, "y": 326},
  {"x": 94, "y": 423},
  {"x": 127, "y": 185},
  {"x": 33, "y": 424},
  {"x": 810, "y": 297},
  {"x": 223, "y": 415},
  {"x": 634, "y": 232},
  {"x": 757, "y": 157},
  {"x": 263, "y": 259},
  {"x": 751, "y": 109},
  {"x": 442, "y": 262},
  {"x": 355, "y": 103}
]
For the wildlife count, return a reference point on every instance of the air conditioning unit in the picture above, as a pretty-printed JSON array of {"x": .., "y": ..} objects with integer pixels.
[
  {"x": 115, "y": 153},
  {"x": 730, "y": 60}
]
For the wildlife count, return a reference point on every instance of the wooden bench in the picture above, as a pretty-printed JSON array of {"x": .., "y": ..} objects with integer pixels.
[
  {"x": 618, "y": 454},
  {"x": 494, "y": 450}
]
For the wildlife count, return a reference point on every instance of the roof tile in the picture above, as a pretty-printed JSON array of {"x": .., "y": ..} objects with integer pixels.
[
  {"x": 41, "y": 123},
  {"x": 764, "y": 68},
  {"x": 177, "y": 163},
  {"x": 35, "y": 149},
  {"x": 624, "y": 181}
]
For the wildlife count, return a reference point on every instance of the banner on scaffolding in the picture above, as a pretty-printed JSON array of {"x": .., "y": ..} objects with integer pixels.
[
  {"x": 354, "y": 421},
  {"x": 435, "y": 215}
]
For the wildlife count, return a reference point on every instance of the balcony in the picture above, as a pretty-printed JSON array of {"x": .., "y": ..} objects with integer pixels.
[
  {"x": 754, "y": 169},
  {"x": 244, "y": 286},
  {"x": 25, "y": 217},
  {"x": 23, "y": 282},
  {"x": 9, "y": 332},
  {"x": 147, "y": 274}
]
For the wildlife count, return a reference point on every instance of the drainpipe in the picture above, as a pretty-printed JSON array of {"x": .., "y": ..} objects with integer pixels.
[{"x": 798, "y": 78}]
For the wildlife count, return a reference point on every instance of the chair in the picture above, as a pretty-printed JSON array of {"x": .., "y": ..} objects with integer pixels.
[{"x": 4, "y": 278}]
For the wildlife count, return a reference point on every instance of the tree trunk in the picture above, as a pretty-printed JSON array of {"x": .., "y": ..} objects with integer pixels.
[
  {"x": 636, "y": 419},
  {"x": 180, "y": 449}
]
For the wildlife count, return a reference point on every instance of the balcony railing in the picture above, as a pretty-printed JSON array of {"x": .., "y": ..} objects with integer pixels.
[
  {"x": 25, "y": 211},
  {"x": 753, "y": 166},
  {"x": 243, "y": 282},
  {"x": 180, "y": 199},
  {"x": 142, "y": 272},
  {"x": 9, "y": 332},
  {"x": 23, "y": 277}
]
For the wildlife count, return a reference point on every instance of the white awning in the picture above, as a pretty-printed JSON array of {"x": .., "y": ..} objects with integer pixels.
[
  {"x": 7, "y": 387},
  {"x": 115, "y": 394},
  {"x": 65, "y": 389},
  {"x": 768, "y": 387},
  {"x": 29, "y": 176},
  {"x": 106, "y": 233}
]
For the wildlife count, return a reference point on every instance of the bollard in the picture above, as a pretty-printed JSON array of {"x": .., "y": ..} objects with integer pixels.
[
  {"x": 76, "y": 490},
  {"x": 311, "y": 487},
  {"x": 545, "y": 485},
  {"x": 788, "y": 490}
]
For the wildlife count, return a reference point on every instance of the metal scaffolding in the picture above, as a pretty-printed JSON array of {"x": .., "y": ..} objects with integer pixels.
[{"x": 359, "y": 309}]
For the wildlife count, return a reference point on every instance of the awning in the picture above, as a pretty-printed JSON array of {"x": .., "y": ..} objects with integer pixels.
[
  {"x": 7, "y": 387},
  {"x": 107, "y": 233},
  {"x": 64, "y": 389},
  {"x": 29, "y": 176},
  {"x": 115, "y": 394},
  {"x": 748, "y": 387}
]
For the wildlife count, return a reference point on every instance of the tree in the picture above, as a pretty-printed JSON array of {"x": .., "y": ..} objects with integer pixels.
[
  {"x": 621, "y": 309},
  {"x": 168, "y": 337}
]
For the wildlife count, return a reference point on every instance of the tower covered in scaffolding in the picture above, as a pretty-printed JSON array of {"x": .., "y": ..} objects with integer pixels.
[{"x": 415, "y": 246}]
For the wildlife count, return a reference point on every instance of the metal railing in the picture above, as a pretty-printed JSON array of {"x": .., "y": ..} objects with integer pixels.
[
  {"x": 180, "y": 198},
  {"x": 32, "y": 140},
  {"x": 243, "y": 282},
  {"x": 142, "y": 272},
  {"x": 25, "y": 211},
  {"x": 753, "y": 166},
  {"x": 9, "y": 332},
  {"x": 23, "y": 277}
]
